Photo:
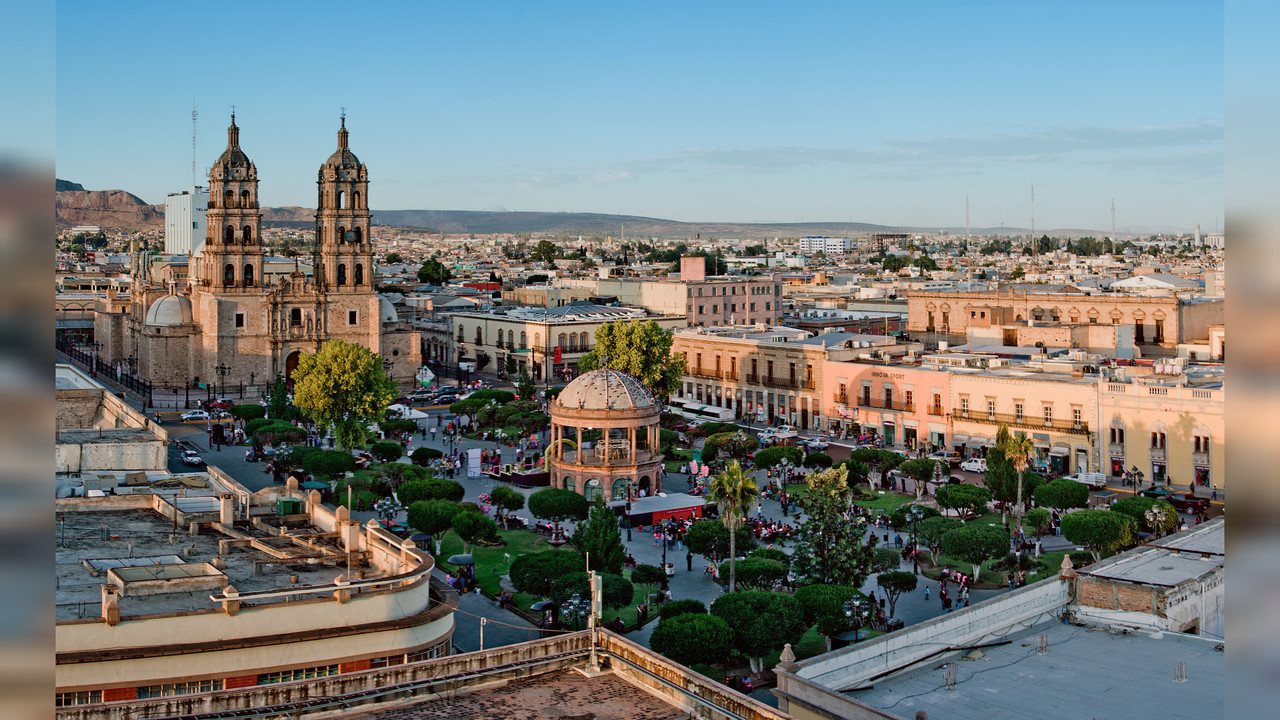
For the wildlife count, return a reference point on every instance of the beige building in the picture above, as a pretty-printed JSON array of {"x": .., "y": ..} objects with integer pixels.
[
  {"x": 548, "y": 342},
  {"x": 235, "y": 322},
  {"x": 768, "y": 374},
  {"x": 1167, "y": 426},
  {"x": 1158, "y": 320}
]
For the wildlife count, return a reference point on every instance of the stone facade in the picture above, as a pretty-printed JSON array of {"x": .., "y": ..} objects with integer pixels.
[{"x": 233, "y": 325}]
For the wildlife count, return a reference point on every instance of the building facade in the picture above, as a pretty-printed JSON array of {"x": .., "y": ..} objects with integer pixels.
[
  {"x": 1169, "y": 429},
  {"x": 185, "y": 221},
  {"x": 904, "y": 404},
  {"x": 234, "y": 323}
]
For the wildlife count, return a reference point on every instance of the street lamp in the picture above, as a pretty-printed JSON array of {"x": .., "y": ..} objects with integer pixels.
[
  {"x": 914, "y": 515},
  {"x": 222, "y": 377},
  {"x": 784, "y": 470},
  {"x": 1136, "y": 475},
  {"x": 1155, "y": 519}
]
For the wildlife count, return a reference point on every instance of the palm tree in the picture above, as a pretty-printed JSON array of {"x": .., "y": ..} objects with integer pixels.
[
  {"x": 734, "y": 490},
  {"x": 1018, "y": 449}
]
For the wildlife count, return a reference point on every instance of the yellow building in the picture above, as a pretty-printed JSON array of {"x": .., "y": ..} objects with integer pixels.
[{"x": 1165, "y": 426}]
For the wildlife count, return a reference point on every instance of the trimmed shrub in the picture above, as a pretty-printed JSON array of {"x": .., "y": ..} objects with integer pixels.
[{"x": 685, "y": 606}]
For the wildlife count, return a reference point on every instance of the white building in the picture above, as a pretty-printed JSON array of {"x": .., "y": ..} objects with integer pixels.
[
  {"x": 825, "y": 245},
  {"x": 184, "y": 221}
]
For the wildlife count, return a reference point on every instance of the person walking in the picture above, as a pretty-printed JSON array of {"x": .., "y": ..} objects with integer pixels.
[{"x": 688, "y": 558}]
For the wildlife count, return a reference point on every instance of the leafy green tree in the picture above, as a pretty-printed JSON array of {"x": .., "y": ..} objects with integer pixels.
[
  {"x": 771, "y": 456},
  {"x": 511, "y": 366},
  {"x": 1062, "y": 494},
  {"x": 393, "y": 258},
  {"x": 894, "y": 584},
  {"x": 649, "y": 577},
  {"x": 824, "y": 606},
  {"x": 734, "y": 491},
  {"x": 277, "y": 432},
  {"x": 430, "y": 489},
  {"x": 976, "y": 544},
  {"x": 502, "y": 397},
  {"x": 434, "y": 272},
  {"x": 251, "y": 411},
  {"x": 433, "y": 517},
  {"x": 963, "y": 498},
  {"x": 396, "y": 474},
  {"x": 386, "y": 451},
  {"x": 475, "y": 529},
  {"x": 470, "y": 407},
  {"x": 424, "y": 455},
  {"x": 343, "y": 385},
  {"x": 930, "y": 532},
  {"x": 755, "y": 573},
  {"x": 1037, "y": 518},
  {"x": 1018, "y": 449},
  {"x": 506, "y": 499},
  {"x": 881, "y": 461},
  {"x": 1136, "y": 507},
  {"x": 710, "y": 539},
  {"x": 817, "y": 460},
  {"x": 762, "y": 622},
  {"x": 599, "y": 539},
  {"x": 525, "y": 386},
  {"x": 534, "y": 573},
  {"x": 558, "y": 505},
  {"x": 829, "y": 548},
  {"x": 884, "y": 559},
  {"x": 773, "y": 554},
  {"x": 544, "y": 251},
  {"x": 676, "y": 608},
  {"x": 898, "y": 519},
  {"x": 692, "y": 638},
  {"x": 924, "y": 471},
  {"x": 330, "y": 463},
  {"x": 618, "y": 591},
  {"x": 1101, "y": 531},
  {"x": 641, "y": 348},
  {"x": 396, "y": 426}
]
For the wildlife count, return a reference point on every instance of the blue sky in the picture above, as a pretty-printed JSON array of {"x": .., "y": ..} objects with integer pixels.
[{"x": 752, "y": 112}]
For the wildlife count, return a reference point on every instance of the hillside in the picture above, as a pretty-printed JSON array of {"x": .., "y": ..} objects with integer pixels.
[{"x": 108, "y": 209}]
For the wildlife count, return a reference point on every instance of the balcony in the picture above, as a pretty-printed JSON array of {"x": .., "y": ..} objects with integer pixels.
[
  {"x": 1116, "y": 449},
  {"x": 840, "y": 399},
  {"x": 707, "y": 374},
  {"x": 897, "y": 405},
  {"x": 1024, "y": 422},
  {"x": 753, "y": 379},
  {"x": 731, "y": 375},
  {"x": 1201, "y": 459},
  {"x": 787, "y": 384},
  {"x": 1158, "y": 454},
  {"x": 936, "y": 411}
]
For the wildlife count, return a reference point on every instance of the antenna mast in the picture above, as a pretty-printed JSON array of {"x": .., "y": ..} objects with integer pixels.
[
  {"x": 193, "y": 144},
  {"x": 1033, "y": 219},
  {"x": 967, "y": 233},
  {"x": 1113, "y": 219}
]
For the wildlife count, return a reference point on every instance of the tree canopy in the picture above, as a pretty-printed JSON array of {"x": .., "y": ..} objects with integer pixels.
[
  {"x": 534, "y": 573},
  {"x": 430, "y": 489},
  {"x": 690, "y": 638},
  {"x": 433, "y": 517},
  {"x": 756, "y": 573},
  {"x": 475, "y": 528},
  {"x": 641, "y": 348},
  {"x": 618, "y": 591},
  {"x": 894, "y": 584},
  {"x": 829, "y": 548},
  {"x": 734, "y": 490},
  {"x": 1062, "y": 494},
  {"x": 824, "y": 605},
  {"x": 343, "y": 385},
  {"x": 976, "y": 543},
  {"x": 558, "y": 505},
  {"x": 1136, "y": 507},
  {"x": 599, "y": 539},
  {"x": 710, "y": 538},
  {"x": 771, "y": 456},
  {"x": 434, "y": 272},
  {"x": 963, "y": 498},
  {"x": 1101, "y": 531},
  {"x": 761, "y": 621}
]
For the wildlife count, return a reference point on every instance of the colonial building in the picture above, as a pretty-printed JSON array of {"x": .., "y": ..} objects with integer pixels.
[{"x": 235, "y": 323}]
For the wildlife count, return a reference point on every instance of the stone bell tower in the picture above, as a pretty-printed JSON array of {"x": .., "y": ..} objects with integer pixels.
[
  {"x": 343, "y": 253},
  {"x": 232, "y": 255}
]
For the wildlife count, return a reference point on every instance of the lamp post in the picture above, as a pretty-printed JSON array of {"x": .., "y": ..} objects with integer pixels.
[
  {"x": 784, "y": 469},
  {"x": 93, "y": 360},
  {"x": 914, "y": 515},
  {"x": 222, "y": 377},
  {"x": 1136, "y": 474},
  {"x": 1155, "y": 519}
]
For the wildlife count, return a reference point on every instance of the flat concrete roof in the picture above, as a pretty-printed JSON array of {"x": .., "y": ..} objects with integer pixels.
[
  {"x": 1208, "y": 537},
  {"x": 1086, "y": 673},
  {"x": 550, "y": 695},
  {"x": 67, "y": 377}
]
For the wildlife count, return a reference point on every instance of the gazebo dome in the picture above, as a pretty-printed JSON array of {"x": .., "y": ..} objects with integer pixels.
[
  {"x": 170, "y": 310},
  {"x": 387, "y": 311},
  {"x": 606, "y": 389}
]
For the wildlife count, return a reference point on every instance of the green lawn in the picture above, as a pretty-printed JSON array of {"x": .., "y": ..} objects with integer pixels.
[
  {"x": 493, "y": 562},
  {"x": 886, "y": 501}
]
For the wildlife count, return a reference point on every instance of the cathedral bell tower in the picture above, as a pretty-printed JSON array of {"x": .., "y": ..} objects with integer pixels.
[
  {"x": 343, "y": 256},
  {"x": 232, "y": 255}
]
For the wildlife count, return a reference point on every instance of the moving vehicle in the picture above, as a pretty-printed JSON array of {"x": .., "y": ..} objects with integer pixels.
[
  {"x": 1095, "y": 480},
  {"x": 191, "y": 415},
  {"x": 444, "y": 399},
  {"x": 1183, "y": 502},
  {"x": 974, "y": 465},
  {"x": 192, "y": 458},
  {"x": 706, "y": 413},
  {"x": 221, "y": 404},
  {"x": 816, "y": 443},
  {"x": 951, "y": 458}
]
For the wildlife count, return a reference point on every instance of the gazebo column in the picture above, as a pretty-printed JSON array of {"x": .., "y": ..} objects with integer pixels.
[
  {"x": 579, "y": 444},
  {"x": 631, "y": 433}
]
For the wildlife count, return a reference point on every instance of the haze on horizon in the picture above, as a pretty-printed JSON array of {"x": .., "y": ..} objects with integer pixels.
[{"x": 719, "y": 112}]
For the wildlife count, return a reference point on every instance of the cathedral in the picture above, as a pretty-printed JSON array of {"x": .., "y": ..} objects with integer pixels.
[{"x": 231, "y": 325}]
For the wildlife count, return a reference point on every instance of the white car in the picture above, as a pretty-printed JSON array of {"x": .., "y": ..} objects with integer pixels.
[
  {"x": 767, "y": 436},
  {"x": 817, "y": 443},
  {"x": 974, "y": 465},
  {"x": 1095, "y": 480},
  {"x": 191, "y": 415}
]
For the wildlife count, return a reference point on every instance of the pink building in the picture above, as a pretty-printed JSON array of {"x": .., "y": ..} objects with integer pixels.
[{"x": 906, "y": 405}]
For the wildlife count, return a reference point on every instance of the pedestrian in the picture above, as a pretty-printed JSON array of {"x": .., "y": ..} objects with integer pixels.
[
  {"x": 926, "y": 592},
  {"x": 688, "y": 558},
  {"x": 1214, "y": 496},
  {"x": 433, "y": 434}
]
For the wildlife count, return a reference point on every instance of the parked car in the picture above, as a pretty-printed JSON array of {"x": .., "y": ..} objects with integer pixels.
[
  {"x": 192, "y": 458},
  {"x": 423, "y": 395},
  {"x": 767, "y": 436},
  {"x": 445, "y": 399},
  {"x": 192, "y": 415},
  {"x": 951, "y": 458},
  {"x": 1095, "y": 480},
  {"x": 1184, "y": 502},
  {"x": 816, "y": 443},
  {"x": 974, "y": 465},
  {"x": 221, "y": 404}
]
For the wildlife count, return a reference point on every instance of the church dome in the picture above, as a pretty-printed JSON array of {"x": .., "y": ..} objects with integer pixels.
[
  {"x": 343, "y": 158},
  {"x": 170, "y": 310},
  {"x": 606, "y": 389},
  {"x": 386, "y": 311}
]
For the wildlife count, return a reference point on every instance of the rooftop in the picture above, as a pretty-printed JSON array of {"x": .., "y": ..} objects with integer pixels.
[{"x": 1085, "y": 672}]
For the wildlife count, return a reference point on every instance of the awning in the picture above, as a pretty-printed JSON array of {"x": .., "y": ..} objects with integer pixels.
[
  {"x": 1040, "y": 443},
  {"x": 989, "y": 442},
  {"x": 959, "y": 439},
  {"x": 912, "y": 424},
  {"x": 937, "y": 428},
  {"x": 976, "y": 441},
  {"x": 1060, "y": 451}
]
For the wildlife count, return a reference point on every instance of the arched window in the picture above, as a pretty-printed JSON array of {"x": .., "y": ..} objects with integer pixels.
[
  {"x": 229, "y": 275},
  {"x": 229, "y": 235},
  {"x": 461, "y": 336},
  {"x": 245, "y": 199},
  {"x": 295, "y": 317},
  {"x": 479, "y": 336},
  {"x": 524, "y": 340},
  {"x": 359, "y": 236},
  {"x": 247, "y": 234},
  {"x": 537, "y": 340},
  {"x": 1117, "y": 431},
  {"x": 342, "y": 234},
  {"x": 342, "y": 274},
  {"x": 355, "y": 199},
  {"x": 511, "y": 339},
  {"x": 248, "y": 276},
  {"x": 359, "y": 274},
  {"x": 340, "y": 199},
  {"x": 560, "y": 341},
  {"x": 229, "y": 199},
  {"x": 582, "y": 341}
]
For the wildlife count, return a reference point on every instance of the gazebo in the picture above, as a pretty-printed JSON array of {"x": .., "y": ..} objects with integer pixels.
[{"x": 625, "y": 461}]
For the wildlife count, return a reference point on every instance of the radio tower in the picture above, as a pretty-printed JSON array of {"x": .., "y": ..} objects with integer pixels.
[
  {"x": 193, "y": 144},
  {"x": 1113, "y": 219},
  {"x": 967, "y": 234}
]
